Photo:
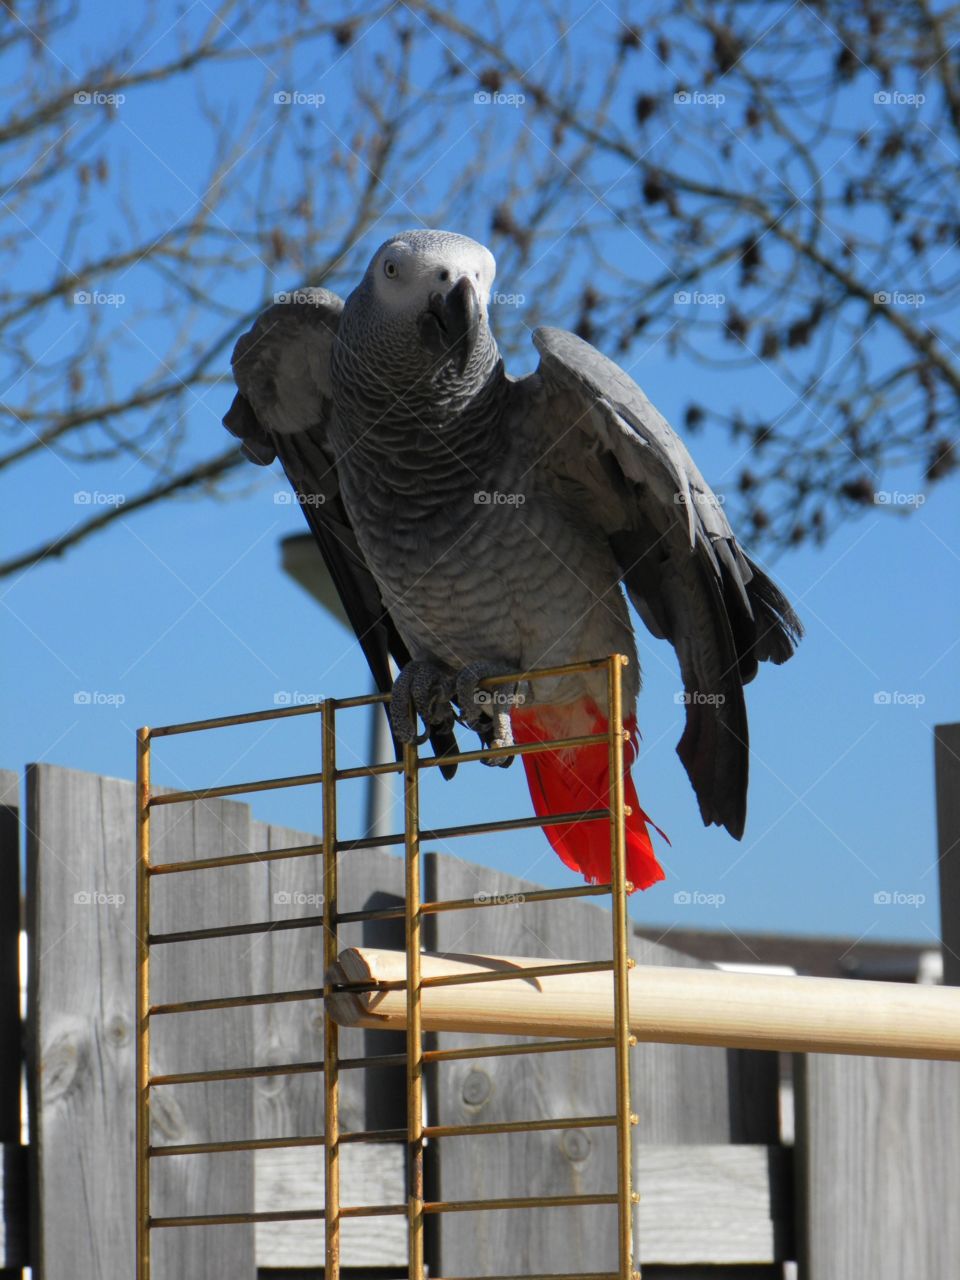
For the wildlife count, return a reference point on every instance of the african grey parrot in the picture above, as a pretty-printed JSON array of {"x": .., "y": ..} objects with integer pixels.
[{"x": 477, "y": 525}]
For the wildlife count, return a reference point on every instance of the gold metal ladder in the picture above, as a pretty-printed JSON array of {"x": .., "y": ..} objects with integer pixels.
[{"x": 412, "y": 912}]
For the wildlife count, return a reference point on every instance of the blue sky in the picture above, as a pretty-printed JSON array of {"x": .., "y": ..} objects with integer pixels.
[{"x": 182, "y": 612}]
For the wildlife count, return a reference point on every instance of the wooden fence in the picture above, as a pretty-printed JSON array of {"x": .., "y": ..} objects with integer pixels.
[{"x": 868, "y": 1188}]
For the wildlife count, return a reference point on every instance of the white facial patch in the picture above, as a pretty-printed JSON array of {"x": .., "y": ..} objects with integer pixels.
[{"x": 416, "y": 264}]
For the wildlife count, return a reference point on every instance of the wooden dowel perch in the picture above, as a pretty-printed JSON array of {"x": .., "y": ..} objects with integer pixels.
[{"x": 669, "y": 1006}]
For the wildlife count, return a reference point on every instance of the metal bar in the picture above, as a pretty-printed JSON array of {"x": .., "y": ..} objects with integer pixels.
[
  {"x": 509, "y": 1050},
  {"x": 274, "y": 1144},
  {"x": 478, "y": 828},
  {"x": 360, "y": 700},
  {"x": 237, "y": 788},
  {"x": 520, "y": 899},
  {"x": 379, "y": 1135},
  {"x": 516, "y": 749},
  {"x": 331, "y": 1032},
  {"x": 378, "y": 1211},
  {"x": 363, "y": 700},
  {"x": 236, "y": 859},
  {"x": 504, "y": 975},
  {"x": 143, "y": 1005},
  {"x": 518, "y": 1126},
  {"x": 515, "y": 1202},
  {"x": 545, "y": 673},
  {"x": 236, "y": 930},
  {"x": 621, "y": 965},
  {"x": 236, "y": 1002},
  {"x": 481, "y": 900},
  {"x": 281, "y": 1069},
  {"x": 414, "y": 917},
  {"x": 553, "y": 1275},
  {"x": 279, "y": 1215},
  {"x": 369, "y": 771},
  {"x": 226, "y": 722}
]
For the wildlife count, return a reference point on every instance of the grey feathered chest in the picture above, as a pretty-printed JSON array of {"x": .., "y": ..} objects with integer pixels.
[{"x": 475, "y": 554}]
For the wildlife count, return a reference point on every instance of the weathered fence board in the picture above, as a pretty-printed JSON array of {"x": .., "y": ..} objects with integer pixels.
[
  {"x": 13, "y": 1244},
  {"x": 369, "y": 1174},
  {"x": 81, "y": 929},
  {"x": 878, "y": 1142},
  {"x": 294, "y": 1105},
  {"x": 947, "y": 770},
  {"x": 293, "y": 959},
  {"x": 681, "y": 1095},
  {"x": 218, "y": 1110}
]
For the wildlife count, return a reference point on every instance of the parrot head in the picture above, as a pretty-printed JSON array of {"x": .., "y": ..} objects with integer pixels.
[{"x": 421, "y": 309}]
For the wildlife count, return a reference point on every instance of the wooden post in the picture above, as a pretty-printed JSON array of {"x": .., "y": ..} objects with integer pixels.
[
  {"x": 82, "y": 882},
  {"x": 80, "y": 899},
  {"x": 13, "y": 1201},
  {"x": 878, "y": 1167},
  {"x": 947, "y": 771}
]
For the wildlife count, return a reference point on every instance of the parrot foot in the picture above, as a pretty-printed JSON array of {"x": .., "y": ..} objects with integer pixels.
[
  {"x": 425, "y": 689},
  {"x": 487, "y": 711}
]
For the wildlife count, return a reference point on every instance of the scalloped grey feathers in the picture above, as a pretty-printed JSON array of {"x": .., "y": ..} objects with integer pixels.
[{"x": 594, "y": 448}]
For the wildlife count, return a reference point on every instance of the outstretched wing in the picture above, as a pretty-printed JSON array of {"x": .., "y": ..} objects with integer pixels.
[
  {"x": 606, "y": 448},
  {"x": 282, "y": 410}
]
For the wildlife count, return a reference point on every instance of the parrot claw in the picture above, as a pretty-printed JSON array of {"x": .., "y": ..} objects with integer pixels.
[
  {"x": 486, "y": 711},
  {"x": 423, "y": 689}
]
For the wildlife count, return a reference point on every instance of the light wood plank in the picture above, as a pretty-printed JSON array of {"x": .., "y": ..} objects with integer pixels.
[
  {"x": 203, "y": 1041},
  {"x": 81, "y": 975},
  {"x": 879, "y": 1149},
  {"x": 947, "y": 772},
  {"x": 293, "y": 1179},
  {"x": 705, "y": 1204},
  {"x": 13, "y": 1243}
]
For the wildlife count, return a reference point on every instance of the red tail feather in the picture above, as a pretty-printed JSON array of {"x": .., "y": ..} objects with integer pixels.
[{"x": 578, "y": 778}]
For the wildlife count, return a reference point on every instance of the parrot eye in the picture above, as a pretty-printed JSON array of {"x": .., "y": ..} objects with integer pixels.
[{"x": 390, "y": 269}]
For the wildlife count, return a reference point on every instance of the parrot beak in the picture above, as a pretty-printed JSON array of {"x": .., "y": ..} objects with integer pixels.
[{"x": 450, "y": 325}]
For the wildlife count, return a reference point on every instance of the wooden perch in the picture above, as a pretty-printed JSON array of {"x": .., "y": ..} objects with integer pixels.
[{"x": 667, "y": 1005}]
